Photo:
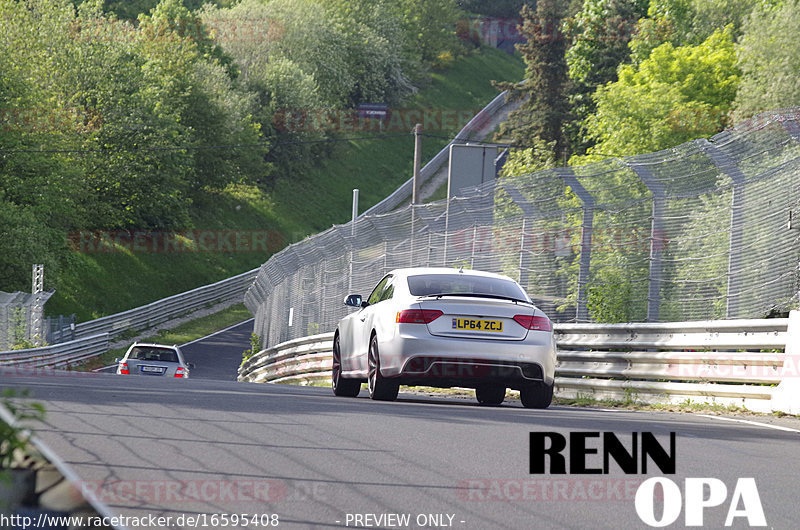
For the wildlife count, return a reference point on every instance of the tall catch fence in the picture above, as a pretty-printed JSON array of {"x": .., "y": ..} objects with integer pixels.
[
  {"x": 21, "y": 318},
  {"x": 697, "y": 232}
]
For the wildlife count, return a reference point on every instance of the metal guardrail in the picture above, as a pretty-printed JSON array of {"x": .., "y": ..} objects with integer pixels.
[
  {"x": 728, "y": 362},
  {"x": 93, "y": 337},
  {"x": 57, "y": 488},
  {"x": 403, "y": 193},
  {"x": 168, "y": 308},
  {"x": 62, "y": 354},
  {"x": 291, "y": 361}
]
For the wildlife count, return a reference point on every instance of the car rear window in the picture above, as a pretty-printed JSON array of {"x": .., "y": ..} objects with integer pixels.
[
  {"x": 143, "y": 353},
  {"x": 428, "y": 284}
]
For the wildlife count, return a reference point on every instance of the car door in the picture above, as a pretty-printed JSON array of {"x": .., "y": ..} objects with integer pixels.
[
  {"x": 347, "y": 340},
  {"x": 363, "y": 324}
]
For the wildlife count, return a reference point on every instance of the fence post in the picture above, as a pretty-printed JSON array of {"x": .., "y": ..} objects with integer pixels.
[
  {"x": 523, "y": 269},
  {"x": 584, "y": 270},
  {"x": 430, "y": 248},
  {"x": 786, "y": 397},
  {"x": 472, "y": 251},
  {"x": 528, "y": 212},
  {"x": 727, "y": 166},
  {"x": 656, "y": 238}
]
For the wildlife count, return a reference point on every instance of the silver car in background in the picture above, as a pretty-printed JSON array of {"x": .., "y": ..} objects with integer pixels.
[
  {"x": 156, "y": 360},
  {"x": 446, "y": 327}
]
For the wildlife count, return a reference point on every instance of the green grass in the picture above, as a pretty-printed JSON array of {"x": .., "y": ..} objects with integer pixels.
[
  {"x": 323, "y": 196},
  {"x": 97, "y": 284},
  {"x": 181, "y": 334},
  {"x": 631, "y": 403}
]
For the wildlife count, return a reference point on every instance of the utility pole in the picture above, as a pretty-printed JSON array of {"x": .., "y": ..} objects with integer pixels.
[
  {"x": 415, "y": 198},
  {"x": 352, "y": 240}
]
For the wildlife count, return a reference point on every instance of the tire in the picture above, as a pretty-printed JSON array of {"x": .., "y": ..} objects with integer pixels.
[
  {"x": 536, "y": 395},
  {"x": 491, "y": 395},
  {"x": 380, "y": 388},
  {"x": 342, "y": 386}
]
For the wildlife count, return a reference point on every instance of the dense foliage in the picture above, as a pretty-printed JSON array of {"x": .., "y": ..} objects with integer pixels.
[
  {"x": 645, "y": 76},
  {"x": 543, "y": 108},
  {"x": 124, "y": 115}
]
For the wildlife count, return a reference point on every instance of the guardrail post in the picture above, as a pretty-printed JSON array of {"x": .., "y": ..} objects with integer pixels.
[{"x": 786, "y": 397}]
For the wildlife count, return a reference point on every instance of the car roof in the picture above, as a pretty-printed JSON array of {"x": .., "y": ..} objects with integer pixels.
[
  {"x": 414, "y": 271},
  {"x": 154, "y": 345}
]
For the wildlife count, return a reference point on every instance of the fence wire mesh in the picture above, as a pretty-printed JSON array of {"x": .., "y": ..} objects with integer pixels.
[
  {"x": 21, "y": 319},
  {"x": 700, "y": 231}
]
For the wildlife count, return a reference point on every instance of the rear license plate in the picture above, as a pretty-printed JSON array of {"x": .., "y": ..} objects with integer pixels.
[
  {"x": 155, "y": 370},
  {"x": 477, "y": 325}
]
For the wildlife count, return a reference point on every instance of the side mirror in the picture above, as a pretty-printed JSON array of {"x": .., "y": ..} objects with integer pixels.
[
  {"x": 353, "y": 300},
  {"x": 117, "y": 360},
  {"x": 191, "y": 366}
]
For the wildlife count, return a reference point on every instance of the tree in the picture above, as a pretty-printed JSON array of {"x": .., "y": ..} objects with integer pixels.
[
  {"x": 599, "y": 34},
  {"x": 531, "y": 159},
  {"x": 768, "y": 59},
  {"x": 496, "y": 8},
  {"x": 172, "y": 17},
  {"x": 376, "y": 44},
  {"x": 675, "y": 95},
  {"x": 684, "y": 22},
  {"x": 131, "y": 9},
  {"x": 431, "y": 24},
  {"x": 544, "y": 108}
]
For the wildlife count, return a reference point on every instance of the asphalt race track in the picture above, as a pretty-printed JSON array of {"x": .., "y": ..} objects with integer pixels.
[
  {"x": 218, "y": 356},
  {"x": 150, "y": 446}
]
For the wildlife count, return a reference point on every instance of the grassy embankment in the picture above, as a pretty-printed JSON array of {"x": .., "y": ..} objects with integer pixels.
[{"x": 97, "y": 284}]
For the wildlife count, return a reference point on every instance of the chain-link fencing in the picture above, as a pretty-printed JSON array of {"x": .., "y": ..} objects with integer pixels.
[
  {"x": 21, "y": 315},
  {"x": 698, "y": 232}
]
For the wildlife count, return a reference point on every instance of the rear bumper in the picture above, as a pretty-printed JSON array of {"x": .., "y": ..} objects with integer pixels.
[{"x": 418, "y": 358}]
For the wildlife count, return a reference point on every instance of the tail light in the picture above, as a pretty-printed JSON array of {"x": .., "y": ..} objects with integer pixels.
[
  {"x": 418, "y": 316},
  {"x": 123, "y": 369},
  {"x": 534, "y": 323},
  {"x": 180, "y": 372}
]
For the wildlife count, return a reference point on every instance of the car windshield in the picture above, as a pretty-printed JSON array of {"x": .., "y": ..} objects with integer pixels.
[
  {"x": 144, "y": 353},
  {"x": 430, "y": 284}
]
